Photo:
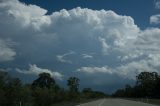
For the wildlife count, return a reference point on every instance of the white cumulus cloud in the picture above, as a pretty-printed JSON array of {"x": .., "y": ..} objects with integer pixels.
[
  {"x": 155, "y": 19},
  {"x": 95, "y": 70},
  {"x": 127, "y": 71},
  {"x": 33, "y": 69},
  {"x": 107, "y": 34}
]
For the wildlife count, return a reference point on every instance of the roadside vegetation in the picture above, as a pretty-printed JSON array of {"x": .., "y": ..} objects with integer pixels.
[
  {"x": 146, "y": 89},
  {"x": 43, "y": 91}
]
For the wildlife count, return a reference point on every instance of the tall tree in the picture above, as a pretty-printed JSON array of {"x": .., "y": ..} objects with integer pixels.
[
  {"x": 146, "y": 82},
  {"x": 9, "y": 89},
  {"x": 13, "y": 91},
  {"x": 3, "y": 81},
  {"x": 73, "y": 84},
  {"x": 45, "y": 87},
  {"x": 157, "y": 91},
  {"x": 4, "y": 78},
  {"x": 44, "y": 81}
]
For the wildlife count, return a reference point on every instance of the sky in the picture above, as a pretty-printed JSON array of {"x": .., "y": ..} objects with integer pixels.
[{"x": 105, "y": 43}]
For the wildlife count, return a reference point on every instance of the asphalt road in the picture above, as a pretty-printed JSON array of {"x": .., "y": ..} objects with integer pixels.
[{"x": 115, "y": 102}]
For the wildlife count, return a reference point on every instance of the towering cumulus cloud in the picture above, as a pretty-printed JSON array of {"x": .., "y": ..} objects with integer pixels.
[{"x": 103, "y": 42}]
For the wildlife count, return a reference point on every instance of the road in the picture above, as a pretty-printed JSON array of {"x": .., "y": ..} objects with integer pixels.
[{"x": 115, "y": 102}]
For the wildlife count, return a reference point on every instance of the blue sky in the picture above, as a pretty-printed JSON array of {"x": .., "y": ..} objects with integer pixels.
[
  {"x": 139, "y": 10},
  {"x": 105, "y": 43}
]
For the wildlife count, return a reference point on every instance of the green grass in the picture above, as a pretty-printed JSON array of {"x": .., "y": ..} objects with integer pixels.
[
  {"x": 153, "y": 101},
  {"x": 150, "y": 101}
]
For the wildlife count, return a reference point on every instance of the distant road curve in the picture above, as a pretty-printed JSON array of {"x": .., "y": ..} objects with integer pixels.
[{"x": 115, "y": 102}]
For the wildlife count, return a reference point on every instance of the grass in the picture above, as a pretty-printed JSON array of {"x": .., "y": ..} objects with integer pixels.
[
  {"x": 81, "y": 101},
  {"x": 66, "y": 104},
  {"x": 153, "y": 101},
  {"x": 150, "y": 101}
]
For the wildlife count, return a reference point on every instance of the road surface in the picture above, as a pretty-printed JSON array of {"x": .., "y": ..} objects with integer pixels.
[{"x": 115, "y": 102}]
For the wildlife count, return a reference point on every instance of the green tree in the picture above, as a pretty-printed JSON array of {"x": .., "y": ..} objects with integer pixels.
[
  {"x": 87, "y": 93},
  {"x": 157, "y": 91},
  {"x": 44, "y": 81},
  {"x": 26, "y": 95},
  {"x": 45, "y": 87},
  {"x": 43, "y": 96},
  {"x": 147, "y": 85},
  {"x": 73, "y": 84},
  {"x": 129, "y": 91},
  {"x": 119, "y": 93},
  {"x": 3, "y": 80},
  {"x": 146, "y": 82},
  {"x": 12, "y": 91}
]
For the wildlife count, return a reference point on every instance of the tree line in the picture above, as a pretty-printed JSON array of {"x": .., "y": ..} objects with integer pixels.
[
  {"x": 43, "y": 91},
  {"x": 147, "y": 86}
]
